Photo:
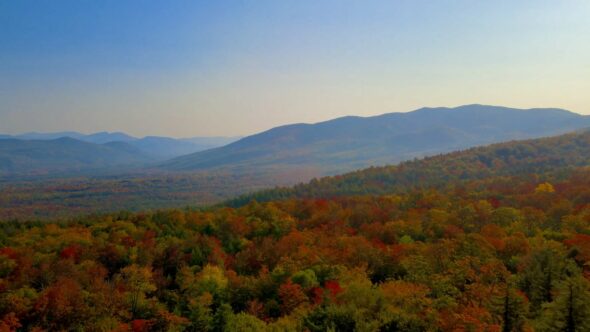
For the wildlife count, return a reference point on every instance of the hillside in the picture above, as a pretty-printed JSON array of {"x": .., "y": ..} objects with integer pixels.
[
  {"x": 542, "y": 155},
  {"x": 350, "y": 143},
  {"x": 26, "y": 157}
]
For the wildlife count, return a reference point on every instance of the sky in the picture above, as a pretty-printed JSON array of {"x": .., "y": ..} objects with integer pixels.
[{"x": 211, "y": 68}]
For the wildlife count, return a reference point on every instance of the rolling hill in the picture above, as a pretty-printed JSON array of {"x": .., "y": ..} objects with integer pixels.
[
  {"x": 37, "y": 157},
  {"x": 157, "y": 147},
  {"x": 351, "y": 143}
]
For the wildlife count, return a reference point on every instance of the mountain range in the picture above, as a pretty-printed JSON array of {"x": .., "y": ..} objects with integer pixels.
[
  {"x": 324, "y": 148},
  {"x": 157, "y": 147},
  {"x": 65, "y": 154},
  {"x": 534, "y": 160},
  {"x": 70, "y": 152},
  {"x": 352, "y": 142}
]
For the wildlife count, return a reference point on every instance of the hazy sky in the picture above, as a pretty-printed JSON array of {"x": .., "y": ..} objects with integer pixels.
[{"x": 193, "y": 68}]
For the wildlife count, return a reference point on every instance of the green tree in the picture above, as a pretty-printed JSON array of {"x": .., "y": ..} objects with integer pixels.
[
  {"x": 221, "y": 318},
  {"x": 244, "y": 323},
  {"x": 200, "y": 313},
  {"x": 512, "y": 308},
  {"x": 138, "y": 283},
  {"x": 543, "y": 272},
  {"x": 570, "y": 312}
]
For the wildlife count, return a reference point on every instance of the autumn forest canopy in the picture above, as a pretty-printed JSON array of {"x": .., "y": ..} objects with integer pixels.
[
  {"x": 494, "y": 238},
  {"x": 294, "y": 166}
]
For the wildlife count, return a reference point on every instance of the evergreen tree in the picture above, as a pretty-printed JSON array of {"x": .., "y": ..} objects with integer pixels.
[
  {"x": 540, "y": 278},
  {"x": 570, "y": 312},
  {"x": 512, "y": 308},
  {"x": 221, "y": 318}
]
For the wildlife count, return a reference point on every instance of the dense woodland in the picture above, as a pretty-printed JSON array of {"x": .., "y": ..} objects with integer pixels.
[
  {"x": 43, "y": 199},
  {"x": 558, "y": 154},
  {"x": 488, "y": 239},
  {"x": 462, "y": 218},
  {"x": 504, "y": 253}
]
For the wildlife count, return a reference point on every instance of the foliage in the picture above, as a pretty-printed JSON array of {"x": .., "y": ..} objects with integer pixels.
[
  {"x": 70, "y": 196},
  {"x": 489, "y": 239},
  {"x": 489, "y": 254}
]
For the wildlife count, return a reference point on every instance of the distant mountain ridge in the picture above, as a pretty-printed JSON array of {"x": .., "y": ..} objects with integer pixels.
[
  {"x": 324, "y": 148},
  {"x": 348, "y": 143},
  {"x": 65, "y": 154},
  {"x": 159, "y": 148}
]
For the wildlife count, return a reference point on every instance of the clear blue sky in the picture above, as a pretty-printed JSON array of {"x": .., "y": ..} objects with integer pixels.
[{"x": 192, "y": 68}]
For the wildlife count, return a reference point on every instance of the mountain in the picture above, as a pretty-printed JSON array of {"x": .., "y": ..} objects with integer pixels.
[
  {"x": 556, "y": 155},
  {"x": 166, "y": 148},
  {"x": 210, "y": 142},
  {"x": 159, "y": 148},
  {"x": 106, "y": 137},
  {"x": 36, "y": 157},
  {"x": 98, "y": 138},
  {"x": 352, "y": 142},
  {"x": 46, "y": 136}
]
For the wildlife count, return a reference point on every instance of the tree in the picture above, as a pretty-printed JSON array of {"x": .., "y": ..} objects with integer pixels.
[
  {"x": 61, "y": 306},
  {"x": 222, "y": 317},
  {"x": 305, "y": 278},
  {"x": 9, "y": 323},
  {"x": 570, "y": 312},
  {"x": 211, "y": 279},
  {"x": 138, "y": 283},
  {"x": 200, "y": 313},
  {"x": 512, "y": 307},
  {"x": 291, "y": 296},
  {"x": 244, "y": 323},
  {"x": 544, "y": 188},
  {"x": 540, "y": 276}
]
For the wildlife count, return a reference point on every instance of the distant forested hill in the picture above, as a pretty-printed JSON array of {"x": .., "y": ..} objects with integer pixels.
[
  {"x": 64, "y": 155},
  {"x": 350, "y": 143},
  {"x": 157, "y": 147},
  {"x": 551, "y": 154}
]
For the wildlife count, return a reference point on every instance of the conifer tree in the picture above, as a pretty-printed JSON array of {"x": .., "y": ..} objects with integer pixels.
[{"x": 570, "y": 312}]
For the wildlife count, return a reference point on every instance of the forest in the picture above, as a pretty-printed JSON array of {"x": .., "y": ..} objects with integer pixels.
[
  {"x": 46, "y": 199},
  {"x": 501, "y": 253},
  {"x": 558, "y": 154},
  {"x": 294, "y": 166}
]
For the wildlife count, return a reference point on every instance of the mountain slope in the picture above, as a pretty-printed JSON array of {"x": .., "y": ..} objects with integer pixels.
[
  {"x": 64, "y": 155},
  {"x": 538, "y": 156},
  {"x": 354, "y": 142}
]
